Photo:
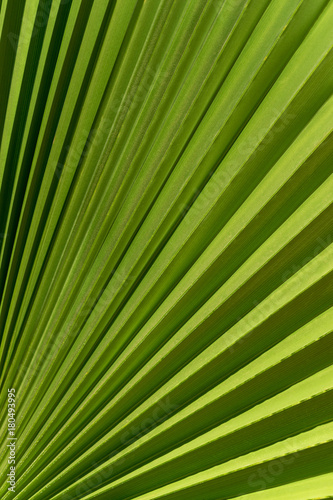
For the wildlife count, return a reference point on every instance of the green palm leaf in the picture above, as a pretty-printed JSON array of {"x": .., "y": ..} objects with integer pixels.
[{"x": 166, "y": 259}]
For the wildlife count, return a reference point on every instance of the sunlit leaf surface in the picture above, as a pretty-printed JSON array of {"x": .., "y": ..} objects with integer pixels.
[{"x": 166, "y": 264}]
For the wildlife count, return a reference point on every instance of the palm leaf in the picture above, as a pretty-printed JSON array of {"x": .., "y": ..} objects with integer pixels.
[{"x": 166, "y": 248}]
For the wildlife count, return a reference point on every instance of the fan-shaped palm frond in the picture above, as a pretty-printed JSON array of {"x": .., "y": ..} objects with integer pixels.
[{"x": 166, "y": 254}]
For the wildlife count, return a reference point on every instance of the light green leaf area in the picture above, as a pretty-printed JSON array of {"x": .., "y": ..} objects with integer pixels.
[{"x": 166, "y": 249}]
